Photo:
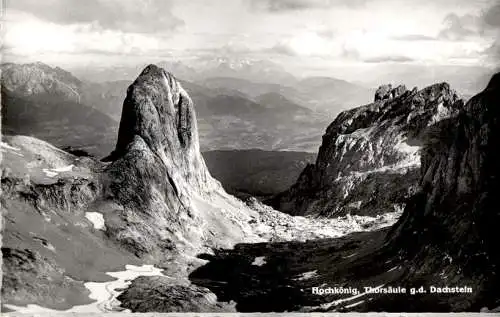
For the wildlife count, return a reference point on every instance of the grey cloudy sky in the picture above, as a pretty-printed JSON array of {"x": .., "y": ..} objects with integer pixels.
[{"x": 346, "y": 32}]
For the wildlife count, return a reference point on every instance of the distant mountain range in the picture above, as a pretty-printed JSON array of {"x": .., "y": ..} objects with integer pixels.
[
  {"x": 241, "y": 104},
  {"x": 251, "y": 77},
  {"x": 50, "y": 103},
  {"x": 197, "y": 70}
]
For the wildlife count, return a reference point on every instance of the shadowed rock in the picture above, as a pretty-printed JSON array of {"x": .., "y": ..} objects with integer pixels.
[{"x": 455, "y": 215}]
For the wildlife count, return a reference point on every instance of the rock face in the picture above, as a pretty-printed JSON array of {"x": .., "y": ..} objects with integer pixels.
[
  {"x": 455, "y": 215},
  {"x": 369, "y": 160},
  {"x": 159, "y": 189}
]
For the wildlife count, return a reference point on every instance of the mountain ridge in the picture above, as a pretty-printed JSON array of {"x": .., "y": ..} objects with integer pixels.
[{"x": 369, "y": 158}]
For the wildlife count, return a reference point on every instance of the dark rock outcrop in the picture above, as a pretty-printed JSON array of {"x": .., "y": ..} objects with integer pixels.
[
  {"x": 450, "y": 227},
  {"x": 158, "y": 294},
  {"x": 369, "y": 160}
]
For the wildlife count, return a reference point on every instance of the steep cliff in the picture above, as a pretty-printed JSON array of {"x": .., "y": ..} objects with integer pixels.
[
  {"x": 369, "y": 160},
  {"x": 157, "y": 179},
  {"x": 449, "y": 230}
]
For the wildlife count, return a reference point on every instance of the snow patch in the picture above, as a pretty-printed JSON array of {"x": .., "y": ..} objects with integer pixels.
[
  {"x": 441, "y": 113},
  {"x": 355, "y": 304},
  {"x": 68, "y": 168},
  {"x": 13, "y": 150},
  {"x": 307, "y": 275},
  {"x": 104, "y": 293},
  {"x": 52, "y": 172},
  {"x": 343, "y": 300},
  {"x": 9, "y": 147},
  {"x": 350, "y": 256},
  {"x": 394, "y": 268},
  {"x": 49, "y": 173},
  {"x": 259, "y": 261},
  {"x": 97, "y": 220}
]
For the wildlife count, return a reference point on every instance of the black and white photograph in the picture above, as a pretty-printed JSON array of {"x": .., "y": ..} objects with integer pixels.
[{"x": 250, "y": 157}]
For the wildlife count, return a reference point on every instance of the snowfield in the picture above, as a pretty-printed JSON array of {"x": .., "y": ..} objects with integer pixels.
[{"x": 275, "y": 226}]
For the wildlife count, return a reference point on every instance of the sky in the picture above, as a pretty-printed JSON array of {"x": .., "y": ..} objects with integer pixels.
[{"x": 305, "y": 34}]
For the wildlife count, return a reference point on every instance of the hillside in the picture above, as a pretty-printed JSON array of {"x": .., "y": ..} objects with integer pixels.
[{"x": 60, "y": 121}]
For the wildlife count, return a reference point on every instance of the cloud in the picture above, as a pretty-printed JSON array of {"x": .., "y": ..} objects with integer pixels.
[
  {"x": 460, "y": 28},
  {"x": 283, "y": 49},
  {"x": 307, "y": 43},
  {"x": 27, "y": 35},
  {"x": 296, "y": 5},
  {"x": 414, "y": 37},
  {"x": 393, "y": 59},
  {"x": 134, "y": 16},
  {"x": 490, "y": 19}
]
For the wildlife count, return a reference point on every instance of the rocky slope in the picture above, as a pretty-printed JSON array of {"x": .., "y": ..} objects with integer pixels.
[
  {"x": 72, "y": 219},
  {"x": 444, "y": 246},
  {"x": 369, "y": 160}
]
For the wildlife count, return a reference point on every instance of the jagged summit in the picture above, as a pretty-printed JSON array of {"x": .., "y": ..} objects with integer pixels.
[
  {"x": 158, "y": 110},
  {"x": 370, "y": 156},
  {"x": 387, "y": 92},
  {"x": 158, "y": 115}
]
